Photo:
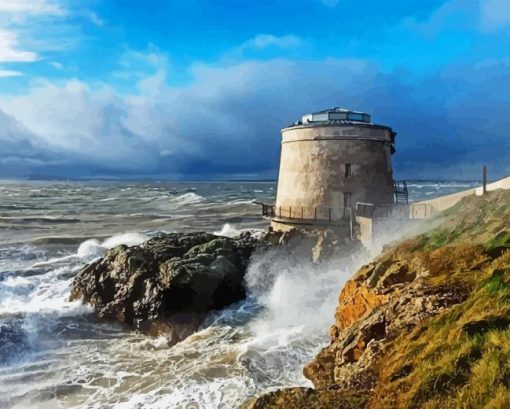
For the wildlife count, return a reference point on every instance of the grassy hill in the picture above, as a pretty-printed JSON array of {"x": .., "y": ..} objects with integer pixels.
[{"x": 425, "y": 325}]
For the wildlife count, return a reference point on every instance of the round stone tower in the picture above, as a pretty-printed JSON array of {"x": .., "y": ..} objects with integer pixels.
[{"x": 331, "y": 161}]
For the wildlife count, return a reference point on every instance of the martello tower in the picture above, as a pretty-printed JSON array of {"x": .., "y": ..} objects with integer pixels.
[{"x": 332, "y": 162}]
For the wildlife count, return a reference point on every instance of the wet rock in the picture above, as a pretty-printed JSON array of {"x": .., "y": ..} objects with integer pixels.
[
  {"x": 317, "y": 244},
  {"x": 167, "y": 284}
]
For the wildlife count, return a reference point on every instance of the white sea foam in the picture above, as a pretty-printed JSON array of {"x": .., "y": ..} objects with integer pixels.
[
  {"x": 221, "y": 393},
  {"x": 92, "y": 248},
  {"x": 18, "y": 281},
  {"x": 228, "y": 231},
  {"x": 243, "y": 350},
  {"x": 48, "y": 292},
  {"x": 188, "y": 198},
  {"x": 241, "y": 201},
  {"x": 42, "y": 294},
  {"x": 89, "y": 249},
  {"x": 129, "y": 239}
]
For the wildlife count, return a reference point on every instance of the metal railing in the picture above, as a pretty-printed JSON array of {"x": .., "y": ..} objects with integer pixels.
[{"x": 306, "y": 214}]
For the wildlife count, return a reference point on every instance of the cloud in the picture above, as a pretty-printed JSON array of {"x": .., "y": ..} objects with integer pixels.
[
  {"x": 262, "y": 41},
  {"x": 57, "y": 65},
  {"x": 495, "y": 14},
  {"x": 29, "y": 25},
  {"x": 10, "y": 73},
  {"x": 220, "y": 123},
  {"x": 93, "y": 18},
  {"x": 9, "y": 51},
  {"x": 33, "y": 7},
  {"x": 227, "y": 119},
  {"x": 265, "y": 45}
]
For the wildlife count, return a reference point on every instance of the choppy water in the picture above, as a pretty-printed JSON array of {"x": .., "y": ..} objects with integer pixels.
[{"x": 53, "y": 353}]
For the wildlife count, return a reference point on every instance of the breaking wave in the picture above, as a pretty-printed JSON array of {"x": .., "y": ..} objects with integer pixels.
[
  {"x": 250, "y": 347},
  {"x": 36, "y": 298},
  {"x": 188, "y": 198}
]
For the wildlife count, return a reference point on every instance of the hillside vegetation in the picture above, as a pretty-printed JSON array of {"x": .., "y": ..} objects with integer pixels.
[{"x": 426, "y": 325}]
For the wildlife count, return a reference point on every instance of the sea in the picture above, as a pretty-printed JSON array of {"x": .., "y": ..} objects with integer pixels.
[{"x": 55, "y": 354}]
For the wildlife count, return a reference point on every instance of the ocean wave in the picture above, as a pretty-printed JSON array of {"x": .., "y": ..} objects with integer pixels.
[
  {"x": 93, "y": 248},
  {"x": 39, "y": 219},
  {"x": 229, "y": 230},
  {"x": 33, "y": 305},
  {"x": 242, "y": 201},
  {"x": 188, "y": 198},
  {"x": 43, "y": 294},
  {"x": 129, "y": 239}
]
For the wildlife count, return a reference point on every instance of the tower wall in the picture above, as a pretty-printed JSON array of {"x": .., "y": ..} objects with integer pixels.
[{"x": 326, "y": 168}]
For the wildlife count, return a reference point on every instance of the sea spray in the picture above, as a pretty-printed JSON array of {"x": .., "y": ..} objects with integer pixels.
[
  {"x": 296, "y": 300},
  {"x": 230, "y": 230},
  {"x": 253, "y": 346},
  {"x": 32, "y": 304}
]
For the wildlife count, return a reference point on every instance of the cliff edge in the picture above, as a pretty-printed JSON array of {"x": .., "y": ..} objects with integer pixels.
[{"x": 425, "y": 325}]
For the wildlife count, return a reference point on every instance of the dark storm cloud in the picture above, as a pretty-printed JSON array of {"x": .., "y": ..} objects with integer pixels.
[{"x": 227, "y": 120}]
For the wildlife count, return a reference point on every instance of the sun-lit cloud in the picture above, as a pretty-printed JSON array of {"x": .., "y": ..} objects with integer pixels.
[
  {"x": 33, "y": 7},
  {"x": 227, "y": 119},
  {"x": 10, "y": 73},
  {"x": 261, "y": 41},
  {"x": 9, "y": 51}
]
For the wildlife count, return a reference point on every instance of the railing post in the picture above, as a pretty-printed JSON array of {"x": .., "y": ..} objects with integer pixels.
[
  {"x": 290, "y": 212},
  {"x": 329, "y": 210},
  {"x": 280, "y": 212},
  {"x": 315, "y": 213},
  {"x": 302, "y": 213}
]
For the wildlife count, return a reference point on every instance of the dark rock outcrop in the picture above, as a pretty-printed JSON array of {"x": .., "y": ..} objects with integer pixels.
[
  {"x": 167, "y": 284},
  {"x": 318, "y": 245}
]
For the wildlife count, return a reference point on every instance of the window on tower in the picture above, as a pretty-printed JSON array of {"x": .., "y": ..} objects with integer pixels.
[{"x": 348, "y": 170}]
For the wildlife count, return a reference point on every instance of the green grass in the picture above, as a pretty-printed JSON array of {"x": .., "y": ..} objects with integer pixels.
[{"x": 460, "y": 358}]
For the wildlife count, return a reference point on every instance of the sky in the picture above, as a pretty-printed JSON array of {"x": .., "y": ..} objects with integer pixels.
[{"x": 201, "y": 89}]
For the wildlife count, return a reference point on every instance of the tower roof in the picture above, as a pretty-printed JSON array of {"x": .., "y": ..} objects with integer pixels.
[{"x": 335, "y": 114}]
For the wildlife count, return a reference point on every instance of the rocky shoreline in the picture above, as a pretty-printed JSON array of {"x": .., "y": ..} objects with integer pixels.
[
  {"x": 411, "y": 328},
  {"x": 167, "y": 284},
  {"x": 425, "y": 324}
]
